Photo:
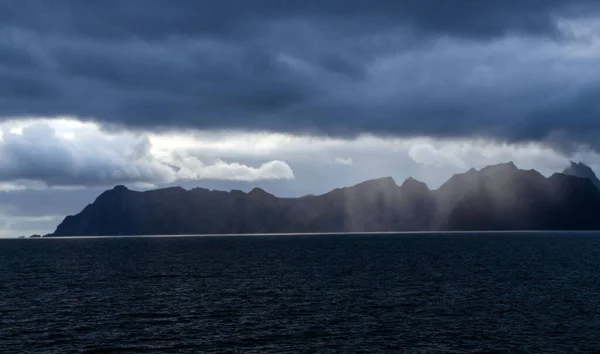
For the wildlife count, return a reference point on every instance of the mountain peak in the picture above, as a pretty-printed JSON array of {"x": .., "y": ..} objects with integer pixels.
[
  {"x": 413, "y": 184},
  {"x": 259, "y": 192},
  {"x": 109, "y": 195},
  {"x": 384, "y": 182},
  {"x": 579, "y": 166},
  {"x": 579, "y": 169},
  {"x": 461, "y": 183},
  {"x": 500, "y": 168}
]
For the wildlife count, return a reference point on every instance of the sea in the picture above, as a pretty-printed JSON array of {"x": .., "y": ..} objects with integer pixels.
[{"x": 359, "y": 293}]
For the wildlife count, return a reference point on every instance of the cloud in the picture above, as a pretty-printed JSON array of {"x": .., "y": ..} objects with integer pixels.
[
  {"x": 343, "y": 161},
  {"x": 429, "y": 154},
  {"x": 313, "y": 159},
  {"x": 406, "y": 69},
  {"x": 194, "y": 169},
  {"x": 69, "y": 153},
  {"x": 161, "y": 18}
]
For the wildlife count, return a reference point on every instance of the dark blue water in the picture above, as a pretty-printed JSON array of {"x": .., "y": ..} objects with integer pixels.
[{"x": 414, "y": 293}]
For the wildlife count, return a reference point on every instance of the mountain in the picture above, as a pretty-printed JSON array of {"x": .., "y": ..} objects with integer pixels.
[
  {"x": 580, "y": 169},
  {"x": 505, "y": 198},
  {"x": 498, "y": 197}
]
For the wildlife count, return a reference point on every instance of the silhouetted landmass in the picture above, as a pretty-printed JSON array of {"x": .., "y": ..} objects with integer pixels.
[
  {"x": 580, "y": 169},
  {"x": 499, "y": 197}
]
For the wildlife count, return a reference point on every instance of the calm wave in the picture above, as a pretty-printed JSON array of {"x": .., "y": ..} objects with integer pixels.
[{"x": 347, "y": 293}]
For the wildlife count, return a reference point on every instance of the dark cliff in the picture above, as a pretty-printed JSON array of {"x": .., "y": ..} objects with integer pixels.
[{"x": 499, "y": 197}]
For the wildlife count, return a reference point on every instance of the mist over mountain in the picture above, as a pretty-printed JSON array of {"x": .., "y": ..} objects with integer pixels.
[
  {"x": 580, "y": 169},
  {"x": 498, "y": 197}
]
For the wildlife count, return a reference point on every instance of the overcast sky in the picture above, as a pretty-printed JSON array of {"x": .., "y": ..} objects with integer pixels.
[{"x": 295, "y": 96}]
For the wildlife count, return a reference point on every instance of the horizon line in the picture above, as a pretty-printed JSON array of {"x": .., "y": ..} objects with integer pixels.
[{"x": 288, "y": 234}]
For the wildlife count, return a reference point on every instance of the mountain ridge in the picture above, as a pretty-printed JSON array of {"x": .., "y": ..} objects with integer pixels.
[
  {"x": 496, "y": 197},
  {"x": 582, "y": 170}
]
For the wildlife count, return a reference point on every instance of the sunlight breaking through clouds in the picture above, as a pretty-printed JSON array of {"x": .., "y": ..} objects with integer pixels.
[
  {"x": 61, "y": 153},
  {"x": 69, "y": 153}
]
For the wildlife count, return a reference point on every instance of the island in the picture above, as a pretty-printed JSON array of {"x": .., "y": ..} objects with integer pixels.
[{"x": 497, "y": 197}]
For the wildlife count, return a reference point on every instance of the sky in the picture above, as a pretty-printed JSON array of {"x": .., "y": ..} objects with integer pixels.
[{"x": 296, "y": 97}]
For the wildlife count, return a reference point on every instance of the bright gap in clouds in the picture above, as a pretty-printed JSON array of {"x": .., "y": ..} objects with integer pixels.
[
  {"x": 66, "y": 153},
  {"x": 27, "y": 225}
]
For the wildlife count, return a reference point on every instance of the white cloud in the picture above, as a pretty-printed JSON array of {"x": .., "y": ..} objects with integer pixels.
[
  {"x": 343, "y": 161},
  {"x": 63, "y": 152},
  {"x": 382, "y": 156},
  {"x": 193, "y": 169},
  {"x": 479, "y": 153},
  {"x": 69, "y": 153},
  {"x": 428, "y": 154}
]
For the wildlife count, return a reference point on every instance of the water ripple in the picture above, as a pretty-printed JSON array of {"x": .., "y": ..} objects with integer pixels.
[{"x": 422, "y": 293}]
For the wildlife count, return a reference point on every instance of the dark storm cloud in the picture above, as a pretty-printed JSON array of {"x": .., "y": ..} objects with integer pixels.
[
  {"x": 323, "y": 67},
  {"x": 152, "y": 19}
]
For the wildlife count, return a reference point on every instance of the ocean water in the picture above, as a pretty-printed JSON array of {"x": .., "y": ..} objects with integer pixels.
[{"x": 530, "y": 292}]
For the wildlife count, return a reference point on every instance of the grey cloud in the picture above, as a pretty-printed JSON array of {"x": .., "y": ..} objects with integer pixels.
[
  {"x": 152, "y": 19},
  {"x": 15, "y": 52},
  {"x": 302, "y": 66},
  {"x": 12, "y": 58},
  {"x": 38, "y": 155},
  {"x": 23, "y": 87}
]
